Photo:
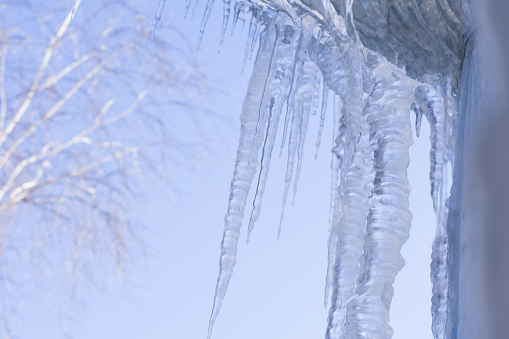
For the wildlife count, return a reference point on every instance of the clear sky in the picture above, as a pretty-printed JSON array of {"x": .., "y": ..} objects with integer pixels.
[{"x": 277, "y": 287}]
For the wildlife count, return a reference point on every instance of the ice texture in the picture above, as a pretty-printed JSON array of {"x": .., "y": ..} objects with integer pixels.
[{"x": 380, "y": 60}]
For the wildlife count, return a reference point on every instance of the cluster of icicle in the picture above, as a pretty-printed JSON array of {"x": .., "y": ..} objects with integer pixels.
[{"x": 307, "y": 51}]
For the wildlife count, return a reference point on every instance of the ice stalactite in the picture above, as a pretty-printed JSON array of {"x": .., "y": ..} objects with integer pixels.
[
  {"x": 272, "y": 73},
  {"x": 323, "y": 112},
  {"x": 389, "y": 137},
  {"x": 226, "y": 17},
  {"x": 301, "y": 102},
  {"x": 334, "y": 201},
  {"x": 438, "y": 274},
  {"x": 300, "y": 108},
  {"x": 306, "y": 50},
  {"x": 353, "y": 193},
  {"x": 282, "y": 74},
  {"x": 157, "y": 17},
  {"x": 430, "y": 103}
]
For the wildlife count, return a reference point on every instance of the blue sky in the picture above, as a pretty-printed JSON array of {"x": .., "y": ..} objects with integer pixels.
[{"x": 277, "y": 288}]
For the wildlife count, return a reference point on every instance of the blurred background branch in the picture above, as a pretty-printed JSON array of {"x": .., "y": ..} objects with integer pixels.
[{"x": 88, "y": 103}]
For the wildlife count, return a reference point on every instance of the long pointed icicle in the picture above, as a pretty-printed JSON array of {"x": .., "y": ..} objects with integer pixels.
[
  {"x": 310, "y": 74},
  {"x": 334, "y": 203},
  {"x": 157, "y": 18},
  {"x": 290, "y": 103},
  {"x": 186, "y": 10},
  {"x": 226, "y": 16},
  {"x": 245, "y": 167},
  {"x": 205, "y": 19},
  {"x": 438, "y": 272},
  {"x": 290, "y": 163},
  {"x": 323, "y": 112},
  {"x": 304, "y": 83},
  {"x": 431, "y": 104},
  {"x": 353, "y": 193},
  {"x": 281, "y": 74},
  {"x": 389, "y": 218}
]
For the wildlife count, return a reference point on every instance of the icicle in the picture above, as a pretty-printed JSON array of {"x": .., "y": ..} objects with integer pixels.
[
  {"x": 281, "y": 75},
  {"x": 325, "y": 98},
  {"x": 289, "y": 105},
  {"x": 236, "y": 14},
  {"x": 431, "y": 104},
  {"x": 288, "y": 116},
  {"x": 451, "y": 115},
  {"x": 418, "y": 118},
  {"x": 226, "y": 16},
  {"x": 353, "y": 192},
  {"x": 334, "y": 230},
  {"x": 300, "y": 116},
  {"x": 196, "y": 2},
  {"x": 438, "y": 272},
  {"x": 254, "y": 37},
  {"x": 245, "y": 168},
  {"x": 308, "y": 88},
  {"x": 292, "y": 149},
  {"x": 157, "y": 18},
  {"x": 205, "y": 19},
  {"x": 317, "y": 94},
  {"x": 389, "y": 219},
  {"x": 251, "y": 36},
  {"x": 186, "y": 10},
  {"x": 334, "y": 70}
]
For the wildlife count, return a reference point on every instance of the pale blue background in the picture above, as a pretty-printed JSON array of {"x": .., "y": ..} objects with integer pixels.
[{"x": 277, "y": 288}]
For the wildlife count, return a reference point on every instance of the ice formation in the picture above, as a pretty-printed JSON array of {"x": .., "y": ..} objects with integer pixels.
[{"x": 380, "y": 60}]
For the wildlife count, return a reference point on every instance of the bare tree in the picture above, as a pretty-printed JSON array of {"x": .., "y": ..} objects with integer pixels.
[{"x": 84, "y": 92}]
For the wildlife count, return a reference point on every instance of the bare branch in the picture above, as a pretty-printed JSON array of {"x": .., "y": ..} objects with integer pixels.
[
  {"x": 35, "y": 84},
  {"x": 53, "y": 110}
]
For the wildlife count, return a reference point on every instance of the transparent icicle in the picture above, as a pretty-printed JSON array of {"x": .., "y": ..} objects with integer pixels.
[
  {"x": 186, "y": 11},
  {"x": 451, "y": 116},
  {"x": 290, "y": 104},
  {"x": 226, "y": 16},
  {"x": 300, "y": 118},
  {"x": 335, "y": 72},
  {"x": 334, "y": 203},
  {"x": 157, "y": 18},
  {"x": 439, "y": 275},
  {"x": 245, "y": 166},
  {"x": 430, "y": 103},
  {"x": 438, "y": 272},
  {"x": 288, "y": 117},
  {"x": 252, "y": 37},
  {"x": 323, "y": 112},
  {"x": 205, "y": 19},
  {"x": 389, "y": 218},
  {"x": 353, "y": 192},
  {"x": 295, "y": 126},
  {"x": 281, "y": 75},
  {"x": 305, "y": 93},
  {"x": 418, "y": 119},
  {"x": 236, "y": 14}
]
